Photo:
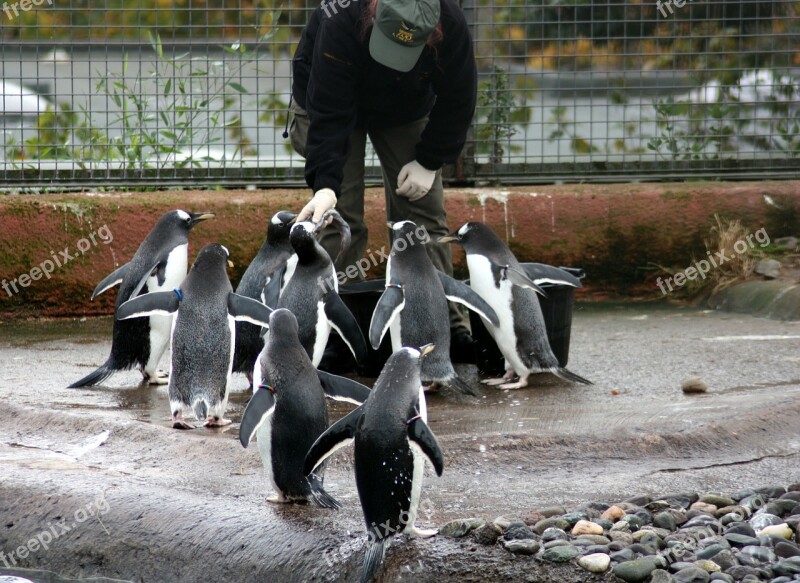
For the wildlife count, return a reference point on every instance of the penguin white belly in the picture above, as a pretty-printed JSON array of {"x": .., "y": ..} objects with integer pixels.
[
  {"x": 323, "y": 331},
  {"x": 264, "y": 442},
  {"x": 291, "y": 265},
  {"x": 396, "y": 332},
  {"x": 161, "y": 326},
  {"x": 416, "y": 486},
  {"x": 419, "y": 469},
  {"x": 481, "y": 280}
]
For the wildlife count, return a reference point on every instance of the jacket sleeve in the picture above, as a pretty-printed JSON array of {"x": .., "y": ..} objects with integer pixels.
[
  {"x": 456, "y": 89},
  {"x": 331, "y": 105}
]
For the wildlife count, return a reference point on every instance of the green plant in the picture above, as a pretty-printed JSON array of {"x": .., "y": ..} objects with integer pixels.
[
  {"x": 497, "y": 112},
  {"x": 565, "y": 129},
  {"x": 61, "y": 134}
]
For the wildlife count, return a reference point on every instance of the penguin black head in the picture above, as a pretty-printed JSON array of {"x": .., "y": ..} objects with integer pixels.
[
  {"x": 408, "y": 235},
  {"x": 279, "y": 226},
  {"x": 403, "y": 363},
  {"x": 283, "y": 323},
  {"x": 473, "y": 236},
  {"x": 212, "y": 257},
  {"x": 303, "y": 241},
  {"x": 184, "y": 220}
]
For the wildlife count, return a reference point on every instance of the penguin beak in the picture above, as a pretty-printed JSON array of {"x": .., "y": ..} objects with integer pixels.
[
  {"x": 230, "y": 263},
  {"x": 390, "y": 224},
  {"x": 449, "y": 238},
  {"x": 294, "y": 219},
  {"x": 426, "y": 349},
  {"x": 197, "y": 217}
]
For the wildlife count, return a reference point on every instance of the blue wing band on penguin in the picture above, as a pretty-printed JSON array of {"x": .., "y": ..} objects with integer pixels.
[
  {"x": 163, "y": 303},
  {"x": 342, "y": 388},
  {"x": 461, "y": 293},
  {"x": 337, "y": 436}
]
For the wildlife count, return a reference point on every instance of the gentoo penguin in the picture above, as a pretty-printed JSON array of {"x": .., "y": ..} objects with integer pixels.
[
  {"x": 509, "y": 287},
  {"x": 203, "y": 335},
  {"x": 159, "y": 263},
  {"x": 288, "y": 412},
  {"x": 414, "y": 305},
  {"x": 392, "y": 441},
  {"x": 308, "y": 287},
  {"x": 273, "y": 255}
]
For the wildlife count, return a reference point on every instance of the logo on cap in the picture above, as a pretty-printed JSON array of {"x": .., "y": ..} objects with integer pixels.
[{"x": 406, "y": 32}]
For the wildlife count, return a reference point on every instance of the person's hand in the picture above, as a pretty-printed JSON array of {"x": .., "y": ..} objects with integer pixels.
[
  {"x": 323, "y": 201},
  {"x": 414, "y": 181}
]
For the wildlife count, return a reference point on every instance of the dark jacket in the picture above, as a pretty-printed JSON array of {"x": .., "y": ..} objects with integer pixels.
[{"x": 342, "y": 87}]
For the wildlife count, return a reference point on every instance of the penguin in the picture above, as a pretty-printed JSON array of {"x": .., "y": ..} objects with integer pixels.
[
  {"x": 273, "y": 255},
  {"x": 159, "y": 263},
  {"x": 414, "y": 305},
  {"x": 308, "y": 287},
  {"x": 203, "y": 335},
  {"x": 392, "y": 441},
  {"x": 288, "y": 413},
  {"x": 510, "y": 288}
]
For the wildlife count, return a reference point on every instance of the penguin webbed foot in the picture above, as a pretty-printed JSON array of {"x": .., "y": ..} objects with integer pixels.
[
  {"x": 421, "y": 533},
  {"x": 278, "y": 499},
  {"x": 178, "y": 422},
  {"x": 519, "y": 384},
  {"x": 507, "y": 377},
  {"x": 217, "y": 422},
  {"x": 159, "y": 377}
]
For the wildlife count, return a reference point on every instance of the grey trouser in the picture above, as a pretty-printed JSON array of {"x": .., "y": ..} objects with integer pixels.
[{"x": 395, "y": 147}]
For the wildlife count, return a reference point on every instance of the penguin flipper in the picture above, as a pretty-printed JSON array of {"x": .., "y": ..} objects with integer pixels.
[
  {"x": 517, "y": 277},
  {"x": 421, "y": 436},
  {"x": 373, "y": 559},
  {"x": 568, "y": 375},
  {"x": 114, "y": 278},
  {"x": 259, "y": 408},
  {"x": 390, "y": 304},
  {"x": 541, "y": 273},
  {"x": 318, "y": 494},
  {"x": 157, "y": 303},
  {"x": 245, "y": 309},
  {"x": 461, "y": 293},
  {"x": 95, "y": 378},
  {"x": 272, "y": 289},
  {"x": 152, "y": 271},
  {"x": 346, "y": 325},
  {"x": 337, "y": 436},
  {"x": 343, "y": 389}
]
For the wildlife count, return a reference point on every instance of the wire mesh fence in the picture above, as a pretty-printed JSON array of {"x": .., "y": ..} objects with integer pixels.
[{"x": 192, "y": 92}]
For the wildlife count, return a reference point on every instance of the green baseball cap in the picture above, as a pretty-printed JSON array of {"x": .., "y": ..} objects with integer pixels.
[{"x": 401, "y": 29}]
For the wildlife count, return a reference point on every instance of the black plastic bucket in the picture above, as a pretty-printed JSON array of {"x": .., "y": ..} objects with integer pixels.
[{"x": 362, "y": 297}]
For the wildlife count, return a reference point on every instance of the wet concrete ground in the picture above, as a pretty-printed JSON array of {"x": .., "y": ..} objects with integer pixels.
[{"x": 191, "y": 505}]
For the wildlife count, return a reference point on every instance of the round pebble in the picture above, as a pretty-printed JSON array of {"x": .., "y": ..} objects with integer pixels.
[
  {"x": 595, "y": 563},
  {"x": 694, "y": 386}
]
